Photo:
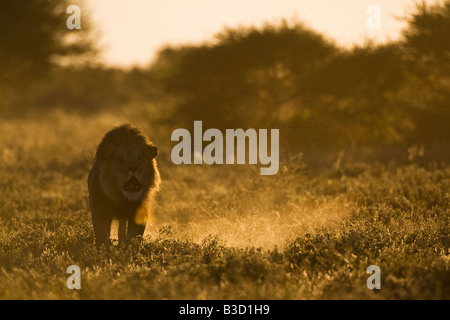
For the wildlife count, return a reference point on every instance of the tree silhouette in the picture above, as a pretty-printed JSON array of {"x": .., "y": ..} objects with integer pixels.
[
  {"x": 245, "y": 76},
  {"x": 428, "y": 31},
  {"x": 34, "y": 35},
  {"x": 426, "y": 94}
]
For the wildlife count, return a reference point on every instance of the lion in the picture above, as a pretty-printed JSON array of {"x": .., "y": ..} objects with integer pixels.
[{"x": 123, "y": 183}]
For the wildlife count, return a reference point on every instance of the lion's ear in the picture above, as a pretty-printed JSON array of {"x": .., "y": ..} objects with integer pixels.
[
  {"x": 100, "y": 155},
  {"x": 103, "y": 154},
  {"x": 152, "y": 151}
]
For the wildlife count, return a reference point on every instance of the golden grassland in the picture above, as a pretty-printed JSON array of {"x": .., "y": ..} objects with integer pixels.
[{"x": 218, "y": 232}]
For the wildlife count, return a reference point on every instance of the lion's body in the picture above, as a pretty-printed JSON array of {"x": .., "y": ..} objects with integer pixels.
[{"x": 122, "y": 183}]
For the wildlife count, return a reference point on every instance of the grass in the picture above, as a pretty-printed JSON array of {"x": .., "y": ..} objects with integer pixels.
[{"x": 219, "y": 232}]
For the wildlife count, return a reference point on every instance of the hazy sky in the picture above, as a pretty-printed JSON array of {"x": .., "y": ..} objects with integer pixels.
[{"x": 132, "y": 31}]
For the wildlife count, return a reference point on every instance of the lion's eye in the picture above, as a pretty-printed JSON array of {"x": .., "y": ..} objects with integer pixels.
[{"x": 140, "y": 158}]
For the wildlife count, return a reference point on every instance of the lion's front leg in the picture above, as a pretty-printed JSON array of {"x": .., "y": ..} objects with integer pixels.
[
  {"x": 102, "y": 230},
  {"x": 122, "y": 232},
  {"x": 134, "y": 229}
]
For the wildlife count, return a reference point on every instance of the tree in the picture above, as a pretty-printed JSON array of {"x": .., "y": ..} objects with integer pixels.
[
  {"x": 427, "y": 91},
  {"x": 428, "y": 31},
  {"x": 245, "y": 75},
  {"x": 34, "y": 36}
]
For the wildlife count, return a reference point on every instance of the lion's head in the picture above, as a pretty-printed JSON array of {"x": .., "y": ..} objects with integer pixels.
[{"x": 127, "y": 164}]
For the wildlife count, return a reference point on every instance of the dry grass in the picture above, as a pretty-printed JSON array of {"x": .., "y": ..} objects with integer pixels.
[{"x": 221, "y": 232}]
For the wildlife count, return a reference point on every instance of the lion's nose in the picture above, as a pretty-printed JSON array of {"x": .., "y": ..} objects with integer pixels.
[{"x": 132, "y": 168}]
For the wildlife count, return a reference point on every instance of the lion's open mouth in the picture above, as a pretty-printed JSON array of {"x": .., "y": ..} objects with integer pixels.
[{"x": 132, "y": 190}]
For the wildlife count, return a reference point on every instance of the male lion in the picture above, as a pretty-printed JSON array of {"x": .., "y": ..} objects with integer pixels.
[{"x": 122, "y": 183}]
